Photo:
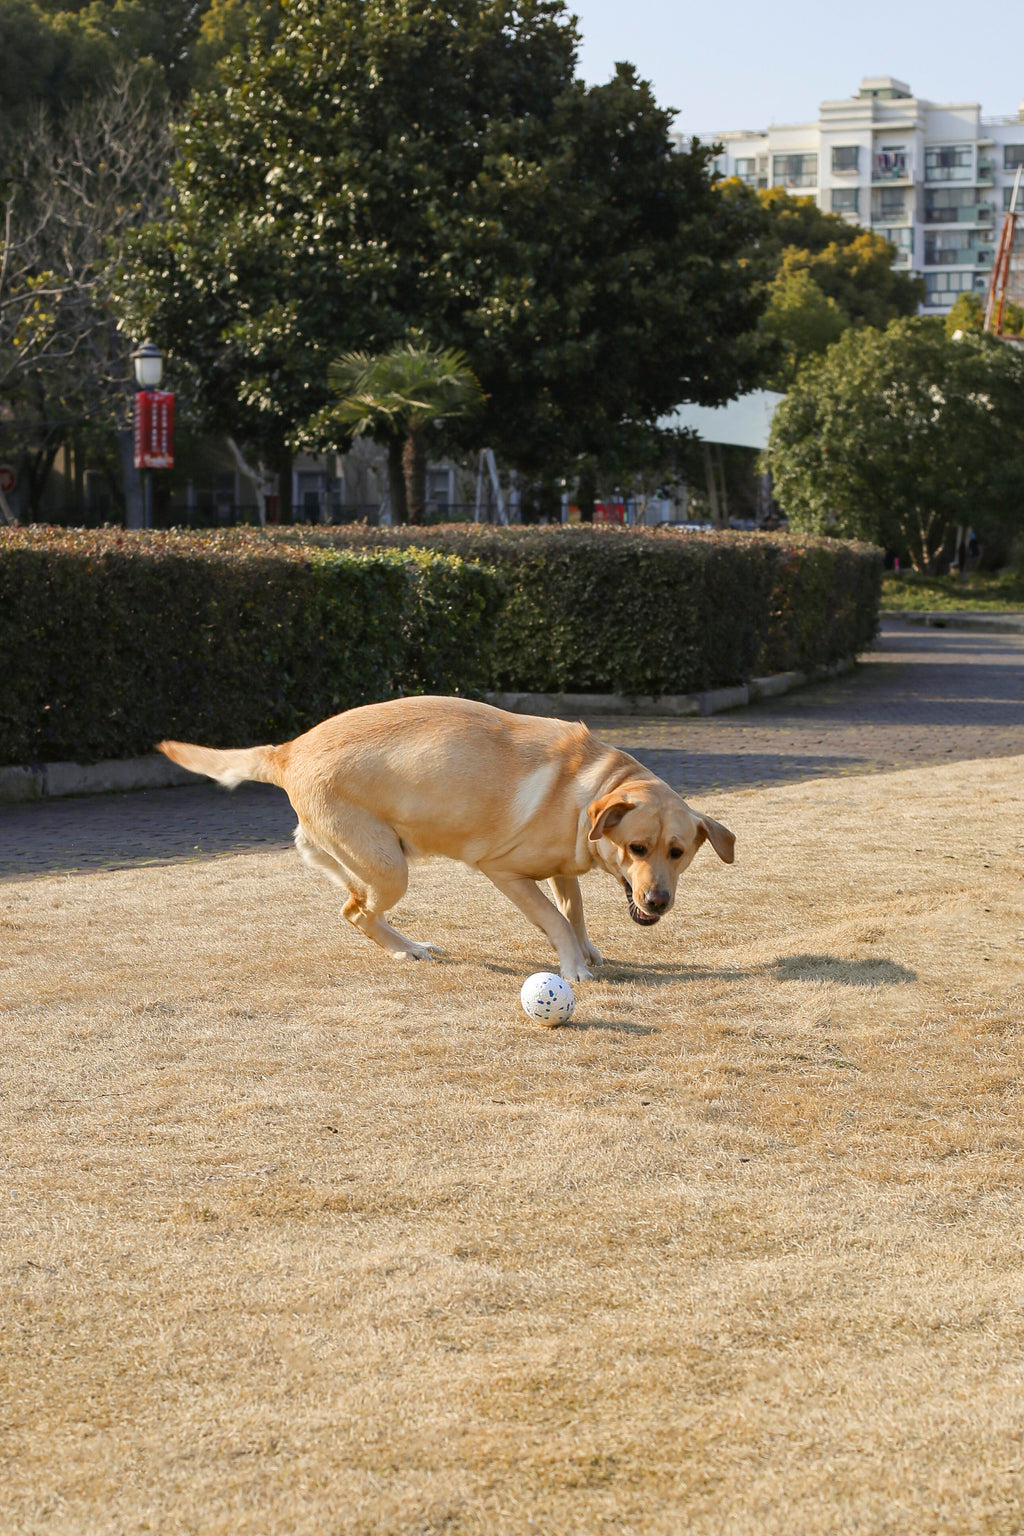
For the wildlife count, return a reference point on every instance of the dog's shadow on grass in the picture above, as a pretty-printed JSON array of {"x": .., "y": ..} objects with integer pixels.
[
  {"x": 616, "y": 1026},
  {"x": 665, "y": 973},
  {"x": 876, "y": 972}
]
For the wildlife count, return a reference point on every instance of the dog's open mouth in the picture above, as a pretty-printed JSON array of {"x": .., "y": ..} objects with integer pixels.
[{"x": 645, "y": 919}]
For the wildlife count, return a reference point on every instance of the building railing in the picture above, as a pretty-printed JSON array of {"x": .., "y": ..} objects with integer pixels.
[
  {"x": 970, "y": 213},
  {"x": 958, "y": 256},
  {"x": 890, "y": 168}
]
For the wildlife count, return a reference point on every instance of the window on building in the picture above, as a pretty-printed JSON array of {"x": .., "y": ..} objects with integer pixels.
[
  {"x": 438, "y": 487},
  {"x": 947, "y": 205},
  {"x": 1013, "y": 156},
  {"x": 953, "y": 162},
  {"x": 746, "y": 169},
  {"x": 795, "y": 170},
  {"x": 845, "y": 158},
  {"x": 892, "y": 163},
  {"x": 846, "y": 200},
  {"x": 1008, "y": 197},
  {"x": 902, "y": 237},
  {"x": 890, "y": 203},
  {"x": 943, "y": 287}
]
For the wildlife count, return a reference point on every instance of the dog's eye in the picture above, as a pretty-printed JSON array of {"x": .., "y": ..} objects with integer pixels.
[
  {"x": 675, "y": 853},
  {"x": 638, "y": 849}
]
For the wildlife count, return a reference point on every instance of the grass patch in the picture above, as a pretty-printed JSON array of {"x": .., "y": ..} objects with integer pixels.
[
  {"x": 297, "y": 1239},
  {"x": 982, "y": 591}
]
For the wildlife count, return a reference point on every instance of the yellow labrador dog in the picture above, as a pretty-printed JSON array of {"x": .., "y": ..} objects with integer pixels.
[{"x": 518, "y": 797}]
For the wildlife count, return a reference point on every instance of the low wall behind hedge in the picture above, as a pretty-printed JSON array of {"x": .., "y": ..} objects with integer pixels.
[{"x": 110, "y": 641}]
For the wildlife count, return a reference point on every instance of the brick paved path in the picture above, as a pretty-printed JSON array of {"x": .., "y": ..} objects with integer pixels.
[{"x": 921, "y": 697}]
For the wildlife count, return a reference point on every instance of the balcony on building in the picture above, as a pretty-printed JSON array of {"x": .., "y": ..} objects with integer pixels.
[
  {"x": 949, "y": 162},
  {"x": 957, "y": 248},
  {"x": 955, "y": 205},
  {"x": 891, "y": 163},
  {"x": 942, "y": 289}
]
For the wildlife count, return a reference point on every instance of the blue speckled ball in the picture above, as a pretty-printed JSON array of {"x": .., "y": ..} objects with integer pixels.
[{"x": 547, "y": 998}]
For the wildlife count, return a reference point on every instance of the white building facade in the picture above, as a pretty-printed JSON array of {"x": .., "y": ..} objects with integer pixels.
[{"x": 933, "y": 180}]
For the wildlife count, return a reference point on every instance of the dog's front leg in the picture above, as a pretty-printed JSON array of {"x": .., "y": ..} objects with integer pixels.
[
  {"x": 531, "y": 901},
  {"x": 570, "y": 903}
]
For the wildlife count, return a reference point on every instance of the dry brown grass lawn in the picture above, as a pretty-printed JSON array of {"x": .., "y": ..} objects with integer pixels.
[{"x": 295, "y": 1240}]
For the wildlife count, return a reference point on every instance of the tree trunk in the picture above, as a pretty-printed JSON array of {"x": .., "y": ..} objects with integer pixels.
[
  {"x": 37, "y": 473},
  {"x": 924, "y": 557},
  {"x": 414, "y": 463},
  {"x": 586, "y": 491},
  {"x": 283, "y": 466},
  {"x": 396, "y": 481}
]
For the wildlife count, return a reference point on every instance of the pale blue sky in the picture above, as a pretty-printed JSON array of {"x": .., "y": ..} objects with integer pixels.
[{"x": 737, "y": 64}]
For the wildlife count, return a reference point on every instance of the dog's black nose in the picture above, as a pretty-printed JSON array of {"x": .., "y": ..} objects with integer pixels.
[{"x": 656, "y": 901}]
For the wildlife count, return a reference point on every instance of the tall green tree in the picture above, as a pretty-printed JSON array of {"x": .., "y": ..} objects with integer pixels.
[
  {"x": 379, "y": 171},
  {"x": 896, "y": 436},
  {"x": 825, "y": 275}
]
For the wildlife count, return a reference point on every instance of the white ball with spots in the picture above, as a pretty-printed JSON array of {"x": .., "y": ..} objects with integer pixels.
[{"x": 547, "y": 998}]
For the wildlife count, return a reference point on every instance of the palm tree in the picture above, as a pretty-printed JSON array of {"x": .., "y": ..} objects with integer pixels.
[{"x": 392, "y": 397}]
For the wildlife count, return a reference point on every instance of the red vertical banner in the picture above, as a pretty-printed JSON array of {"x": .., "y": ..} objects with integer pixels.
[{"x": 154, "y": 429}]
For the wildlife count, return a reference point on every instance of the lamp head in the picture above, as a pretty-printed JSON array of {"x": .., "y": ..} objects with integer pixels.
[{"x": 148, "y": 362}]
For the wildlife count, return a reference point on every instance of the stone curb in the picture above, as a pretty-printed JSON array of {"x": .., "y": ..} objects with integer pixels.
[
  {"x": 51, "y": 781},
  {"x": 992, "y": 623},
  {"x": 668, "y": 705}
]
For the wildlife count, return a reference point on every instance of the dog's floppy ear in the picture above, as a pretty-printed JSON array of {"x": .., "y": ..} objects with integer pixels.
[
  {"x": 721, "y": 839},
  {"x": 606, "y": 813}
]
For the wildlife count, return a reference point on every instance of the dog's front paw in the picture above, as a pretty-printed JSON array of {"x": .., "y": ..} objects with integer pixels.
[
  {"x": 592, "y": 956},
  {"x": 576, "y": 973}
]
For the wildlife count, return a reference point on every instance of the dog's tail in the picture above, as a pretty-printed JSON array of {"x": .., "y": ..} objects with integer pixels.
[{"x": 264, "y": 764}]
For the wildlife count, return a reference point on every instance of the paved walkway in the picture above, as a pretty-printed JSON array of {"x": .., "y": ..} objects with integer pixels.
[{"x": 920, "y": 697}]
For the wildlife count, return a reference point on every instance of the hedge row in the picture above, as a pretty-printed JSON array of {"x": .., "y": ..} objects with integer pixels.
[
  {"x": 595, "y": 610},
  {"x": 111, "y": 640}
]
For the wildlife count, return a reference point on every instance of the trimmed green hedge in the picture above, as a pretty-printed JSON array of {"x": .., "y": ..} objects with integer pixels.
[
  {"x": 635, "y": 611},
  {"x": 111, "y": 640}
]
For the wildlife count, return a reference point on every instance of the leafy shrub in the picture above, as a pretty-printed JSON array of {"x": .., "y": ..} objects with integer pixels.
[
  {"x": 111, "y": 640},
  {"x": 635, "y": 611}
]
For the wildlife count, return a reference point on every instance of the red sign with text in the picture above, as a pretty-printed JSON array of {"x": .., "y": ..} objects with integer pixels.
[
  {"x": 609, "y": 511},
  {"x": 154, "y": 429}
]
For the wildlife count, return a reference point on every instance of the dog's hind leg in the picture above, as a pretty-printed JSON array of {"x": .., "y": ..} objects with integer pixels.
[
  {"x": 530, "y": 899},
  {"x": 569, "y": 898},
  {"x": 373, "y": 871}
]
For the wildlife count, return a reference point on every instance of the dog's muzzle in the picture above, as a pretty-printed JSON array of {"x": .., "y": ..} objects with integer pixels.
[{"x": 645, "y": 919}]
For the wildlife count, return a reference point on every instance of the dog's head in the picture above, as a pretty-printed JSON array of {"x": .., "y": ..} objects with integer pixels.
[{"x": 646, "y": 835}]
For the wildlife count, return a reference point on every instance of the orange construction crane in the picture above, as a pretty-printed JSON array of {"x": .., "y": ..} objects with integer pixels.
[{"x": 999, "y": 282}]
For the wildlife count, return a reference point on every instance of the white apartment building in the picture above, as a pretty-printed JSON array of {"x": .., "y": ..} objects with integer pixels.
[{"x": 934, "y": 180}]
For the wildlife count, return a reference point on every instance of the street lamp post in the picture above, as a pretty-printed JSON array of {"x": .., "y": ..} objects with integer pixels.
[{"x": 148, "y": 362}]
